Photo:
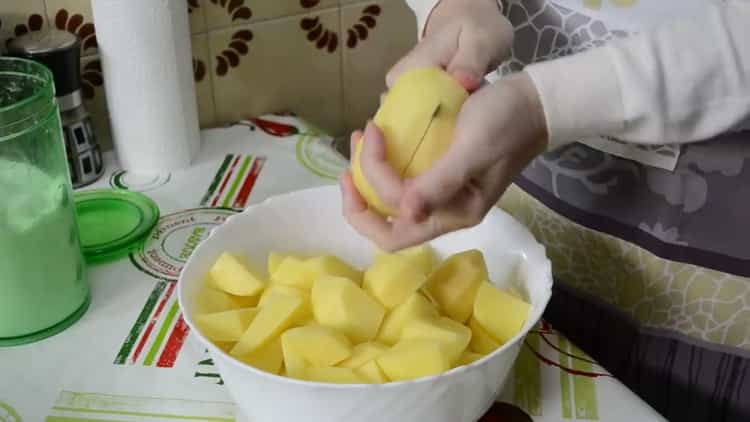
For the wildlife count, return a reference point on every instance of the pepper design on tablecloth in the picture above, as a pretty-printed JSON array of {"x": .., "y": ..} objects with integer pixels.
[
  {"x": 159, "y": 332},
  {"x": 94, "y": 407},
  {"x": 234, "y": 181},
  {"x": 577, "y": 374}
]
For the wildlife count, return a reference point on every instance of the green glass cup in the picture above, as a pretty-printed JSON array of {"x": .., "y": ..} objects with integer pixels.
[{"x": 43, "y": 284}]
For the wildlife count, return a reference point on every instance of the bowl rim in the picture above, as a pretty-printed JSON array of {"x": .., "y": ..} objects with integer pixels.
[{"x": 336, "y": 386}]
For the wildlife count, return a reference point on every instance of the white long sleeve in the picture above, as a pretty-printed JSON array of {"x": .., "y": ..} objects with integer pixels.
[{"x": 685, "y": 82}]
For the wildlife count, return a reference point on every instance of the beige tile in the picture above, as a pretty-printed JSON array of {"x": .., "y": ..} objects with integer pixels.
[
  {"x": 224, "y": 13},
  {"x": 273, "y": 66},
  {"x": 197, "y": 14},
  {"x": 18, "y": 17},
  {"x": 74, "y": 16},
  {"x": 95, "y": 100},
  {"x": 375, "y": 35},
  {"x": 203, "y": 88}
]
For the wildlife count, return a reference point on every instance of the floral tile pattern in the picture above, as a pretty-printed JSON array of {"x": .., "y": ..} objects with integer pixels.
[{"x": 323, "y": 59}]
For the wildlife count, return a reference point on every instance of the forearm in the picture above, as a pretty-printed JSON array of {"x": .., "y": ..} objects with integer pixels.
[{"x": 686, "y": 82}]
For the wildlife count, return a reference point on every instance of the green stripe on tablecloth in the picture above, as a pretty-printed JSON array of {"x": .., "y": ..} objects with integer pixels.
[
  {"x": 145, "y": 415},
  {"x": 584, "y": 388},
  {"x": 77, "y": 419},
  {"x": 217, "y": 179},
  {"x": 527, "y": 391},
  {"x": 564, "y": 360},
  {"x": 137, "y": 329},
  {"x": 162, "y": 334},
  {"x": 237, "y": 180}
]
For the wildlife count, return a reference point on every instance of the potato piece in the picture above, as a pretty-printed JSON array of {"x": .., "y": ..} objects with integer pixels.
[
  {"x": 421, "y": 256},
  {"x": 417, "y": 118},
  {"x": 331, "y": 265},
  {"x": 320, "y": 346},
  {"x": 294, "y": 365},
  {"x": 363, "y": 353},
  {"x": 455, "y": 282},
  {"x": 209, "y": 300},
  {"x": 227, "y": 325},
  {"x": 273, "y": 319},
  {"x": 231, "y": 276},
  {"x": 412, "y": 359},
  {"x": 481, "y": 341},
  {"x": 292, "y": 271},
  {"x": 339, "y": 303},
  {"x": 371, "y": 373},
  {"x": 267, "y": 358},
  {"x": 333, "y": 374},
  {"x": 274, "y": 289},
  {"x": 467, "y": 358},
  {"x": 274, "y": 260},
  {"x": 453, "y": 335},
  {"x": 392, "y": 279},
  {"x": 500, "y": 313},
  {"x": 416, "y": 307}
]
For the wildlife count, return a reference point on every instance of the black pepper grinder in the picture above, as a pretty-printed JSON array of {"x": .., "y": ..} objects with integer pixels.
[{"x": 60, "y": 51}]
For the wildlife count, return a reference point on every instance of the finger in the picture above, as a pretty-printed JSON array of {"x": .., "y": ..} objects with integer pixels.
[
  {"x": 378, "y": 172},
  {"x": 471, "y": 61},
  {"x": 354, "y": 139},
  {"x": 352, "y": 201},
  {"x": 434, "y": 50}
]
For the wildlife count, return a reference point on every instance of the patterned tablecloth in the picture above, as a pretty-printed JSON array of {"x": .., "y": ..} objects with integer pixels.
[{"x": 132, "y": 358}]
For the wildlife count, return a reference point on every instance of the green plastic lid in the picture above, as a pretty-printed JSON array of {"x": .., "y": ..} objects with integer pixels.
[{"x": 113, "y": 222}]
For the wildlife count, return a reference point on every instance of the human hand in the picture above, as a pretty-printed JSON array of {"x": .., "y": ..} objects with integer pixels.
[
  {"x": 499, "y": 130},
  {"x": 467, "y": 38}
]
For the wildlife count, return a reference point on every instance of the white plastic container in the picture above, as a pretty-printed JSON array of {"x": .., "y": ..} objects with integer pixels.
[{"x": 310, "y": 221}]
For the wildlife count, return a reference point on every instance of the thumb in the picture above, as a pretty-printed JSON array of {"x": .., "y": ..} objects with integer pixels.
[
  {"x": 437, "y": 186},
  {"x": 470, "y": 62}
]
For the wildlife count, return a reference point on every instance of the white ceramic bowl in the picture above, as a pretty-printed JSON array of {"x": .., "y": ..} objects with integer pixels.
[{"x": 310, "y": 221}]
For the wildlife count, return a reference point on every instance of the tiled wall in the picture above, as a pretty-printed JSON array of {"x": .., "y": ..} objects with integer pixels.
[{"x": 324, "y": 60}]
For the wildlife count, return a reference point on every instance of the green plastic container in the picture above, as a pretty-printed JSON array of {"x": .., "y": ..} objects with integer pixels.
[{"x": 43, "y": 284}]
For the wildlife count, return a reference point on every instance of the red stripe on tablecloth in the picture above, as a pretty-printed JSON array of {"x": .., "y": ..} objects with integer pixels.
[
  {"x": 247, "y": 187},
  {"x": 226, "y": 181},
  {"x": 152, "y": 323},
  {"x": 174, "y": 344}
]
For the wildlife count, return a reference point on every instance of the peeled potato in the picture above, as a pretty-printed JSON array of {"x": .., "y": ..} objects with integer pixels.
[{"x": 417, "y": 118}]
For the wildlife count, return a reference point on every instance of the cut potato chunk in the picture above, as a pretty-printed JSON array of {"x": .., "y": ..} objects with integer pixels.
[
  {"x": 330, "y": 265},
  {"x": 273, "y": 319},
  {"x": 275, "y": 289},
  {"x": 371, "y": 373},
  {"x": 339, "y": 303},
  {"x": 416, "y": 307},
  {"x": 392, "y": 279},
  {"x": 274, "y": 260},
  {"x": 363, "y": 353},
  {"x": 455, "y": 282},
  {"x": 231, "y": 276},
  {"x": 210, "y": 300},
  {"x": 453, "y": 335},
  {"x": 333, "y": 375},
  {"x": 468, "y": 357},
  {"x": 412, "y": 359},
  {"x": 227, "y": 325},
  {"x": 502, "y": 315},
  {"x": 481, "y": 341},
  {"x": 267, "y": 358},
  {"x": 292, "y": 271},
  {"x": 320, "y": 346}
]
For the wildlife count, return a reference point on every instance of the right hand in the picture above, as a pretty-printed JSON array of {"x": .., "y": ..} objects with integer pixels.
[{"x": 466, "y": 38}]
